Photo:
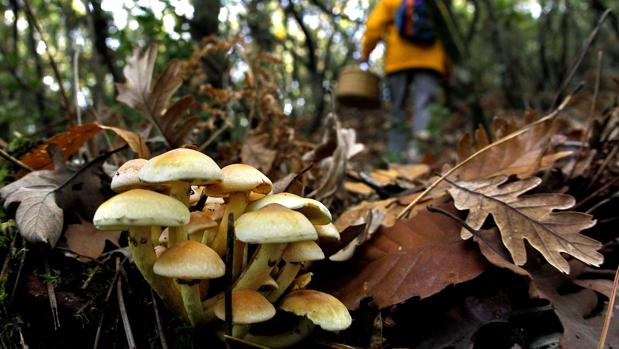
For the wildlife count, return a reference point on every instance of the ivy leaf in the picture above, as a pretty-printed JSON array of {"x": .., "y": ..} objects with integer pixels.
[
  {"x": 529, "y": 217},
  {"x": 38, "y": 216},
  {"x": 154, "y": 101}
]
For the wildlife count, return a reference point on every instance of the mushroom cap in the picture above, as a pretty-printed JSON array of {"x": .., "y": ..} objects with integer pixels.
[
  {"x": 314, "y": 210},
  {"x": 240, "y": 178},
  {"x": 189, "y": 260},
  {"x": 302, "y": 251},
  {"x": 321, "y": 308},
  {"x": 327, "y": 232},
  {"x": 248, "y": 307},
  {"x": 181, "y": 165},
  {"x": 273, "y": 224},
  {"x": 139, "y": 207},
  {"x": 126, "y": 177},
  {"x": 199, "y": 221}
]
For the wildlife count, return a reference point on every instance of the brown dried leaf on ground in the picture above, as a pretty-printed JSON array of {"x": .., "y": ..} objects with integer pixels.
[
  {"x": 133, "y": 140},
  {"x": 38, "y": 216},
  {"x": 522, "y": 156},
  {"x": 529, "y": 217},
  {"x": 416, "y": 257},
  {"x": 256, "y": 153},
  {"x": 84, "y": 239},
  {"x": 581, "y": 326},
  {"x": 154, "y": 102},
  {"x": 490, "y": 245},
  {"x": 68, "y": 142}
]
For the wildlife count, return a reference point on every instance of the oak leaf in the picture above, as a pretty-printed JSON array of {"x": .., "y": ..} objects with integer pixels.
[
  {"x": 522, "y": 155},
  {"x": 529, "y": 217},
  {"x": 416, "y": 257},
  {"x": 153, "y": 101},
  {"x": 582, "y": 324}
]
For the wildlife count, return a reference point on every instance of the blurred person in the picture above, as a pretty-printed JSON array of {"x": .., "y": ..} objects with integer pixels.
[{"x": 418, "y": 62}]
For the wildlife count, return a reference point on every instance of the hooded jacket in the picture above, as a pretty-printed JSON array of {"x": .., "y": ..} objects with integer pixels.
[{"x": 399, "y": 53}]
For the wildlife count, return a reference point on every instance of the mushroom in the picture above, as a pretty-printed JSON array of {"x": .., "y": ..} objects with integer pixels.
[
  {"x": 271, "y": 227},
  {"x": 137, "y": 210},
  {"x": 294, "y": 255},
  {"x": 188, "y": 262},
  {"x": 248, "y": 307},
  {"x": 126, "y": 177},
  {"x": 314, "y": 210},
  {"x": 316, "y": 308},
  {"x": 327, "y": 232},
  {"x": 239, "y": 180},
  {"x": 180, "y": 168}
]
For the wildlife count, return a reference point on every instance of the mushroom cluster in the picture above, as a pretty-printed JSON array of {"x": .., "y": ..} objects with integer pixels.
[{"x": 180, "y": 253}]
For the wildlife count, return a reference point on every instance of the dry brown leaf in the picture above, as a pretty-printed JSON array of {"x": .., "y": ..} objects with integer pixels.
[
  {"x": 154, "y": 102},
  {"x": 133, "y": 140},
  {"x": 416, "y": 257},
  {"x": 256, "y": 153},
  {"x": 84, "y": 239},
  {"x": 332, "y": 168},
  {"x": 581, "y": 327},
  {"x": 358, "y": 188},
  {"x": 529, "y": 217},
  {"x": 370, "y": 225},
  {"x": 522, "y": 156},
  {"x": 410, "y": 171},
  {"x": 489, "y": 241},
  {"x": 68, "y": 141}
]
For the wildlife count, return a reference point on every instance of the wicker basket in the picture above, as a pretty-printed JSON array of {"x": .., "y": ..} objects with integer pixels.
[{"x": 357, "y": 88}]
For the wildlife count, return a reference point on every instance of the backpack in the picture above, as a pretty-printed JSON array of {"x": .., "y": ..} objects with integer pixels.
[{"x": 415, "y": 23}]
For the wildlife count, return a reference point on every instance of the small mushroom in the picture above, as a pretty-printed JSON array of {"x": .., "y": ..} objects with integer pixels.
[
  {"x": 314, "y": 210},
  {"x": 188, "y": 262},
  {"x": 248, "y": 307}
]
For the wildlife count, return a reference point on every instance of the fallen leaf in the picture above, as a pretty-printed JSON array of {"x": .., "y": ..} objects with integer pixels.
[
  {"x": 369, "y": 227},
  {"x": 154, "y": 102},
  {"x": 84, "y": 239},
  {"x": 68, "y": 141},
  {"x": 489, "y": 241},
  {"x": 529, "y": 217},
  {"x": 581, "y": 327},
  {"x": 522, "y": 155},
  {"x": 415, "y": 257},
  {"x": 38, "y": 216},
  {"x": 256, "y": 153},
  {"x": 358, "y": 188},
  {"x": 133, "y": 140}
]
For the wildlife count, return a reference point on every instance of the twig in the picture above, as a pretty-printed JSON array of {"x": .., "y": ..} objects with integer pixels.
[
  {"x": 123, "y": 311},
  {"x": 76, "y": 85},
  {"x": 214, "y": 136},
  {"x": 51, "y": 294},
  {"x": 9, "y": 158},
  {"x": 18, "y": 276},
  {"x": 585, "y": 136},
  {"x": 30, "y": 14},
  {"x": 582, "y": 55},
  {"x": 505, "y": 139},
  {"x": 229, "y": 260},
  {"x": 609, "y": 311},
  {"x": 162, "y": 340},
  {"x": 595, "y": 193},
  {"x": 107, "y": 299},
  {"x": 605, "y": 163}
]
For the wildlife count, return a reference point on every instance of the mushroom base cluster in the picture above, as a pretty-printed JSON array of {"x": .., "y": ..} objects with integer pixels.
[{"x": 176, "y": 208}]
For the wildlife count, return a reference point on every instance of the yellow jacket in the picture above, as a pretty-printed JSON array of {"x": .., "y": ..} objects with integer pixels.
[{"x": 399, "y": 53}]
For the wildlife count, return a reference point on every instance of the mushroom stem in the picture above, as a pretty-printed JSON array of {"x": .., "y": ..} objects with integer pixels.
[
  {"x": 179, "y": 191},
  {"x": 155, "y": 233},
  {"x": 240, "y": 330},
  {"x": 236, "y": 204},
  {"x": 284, "y": 280},
  {"x": 190, "y": 293},
  {"x": 259, "y": 269},
  {"x": 282, "y": 340},
  {"x": 143, "y": 252}
]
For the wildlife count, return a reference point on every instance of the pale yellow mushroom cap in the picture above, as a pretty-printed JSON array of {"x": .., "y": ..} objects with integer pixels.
[
  {"x": 321, "y": 308},
  {"x": 274, "y": 224},
  {"x": 181, "y": 165},
  {"x": 126, "y": 177},
  {"x": 302, "y": 251},
  {"x": 240, "y": 178},
  {"x": 139, "y": 207},
  {"x": 314, "y": 210},
  {"x": 189, "y": 260},
  {"x": 327, "y": 232},
  {"x": 248, "y": 307}
]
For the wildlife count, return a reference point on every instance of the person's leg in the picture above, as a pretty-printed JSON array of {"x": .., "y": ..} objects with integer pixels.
[
  {"x": 426, "y": 86},
  {"x": 398, "y": 136}
]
